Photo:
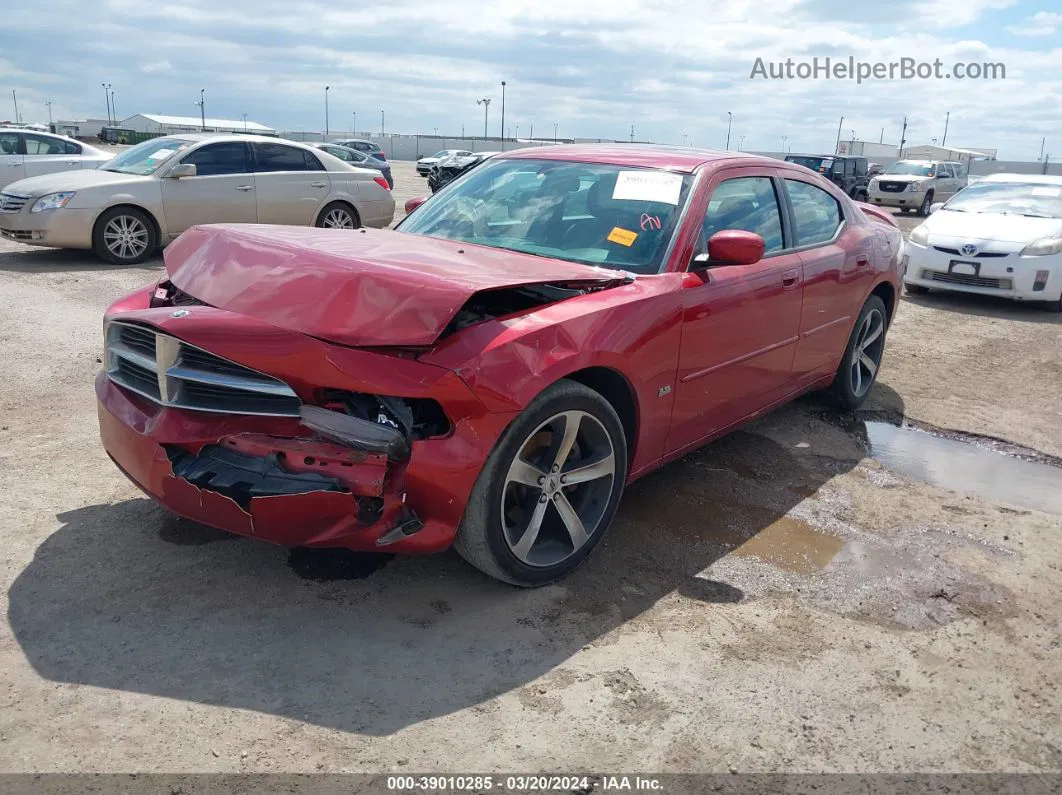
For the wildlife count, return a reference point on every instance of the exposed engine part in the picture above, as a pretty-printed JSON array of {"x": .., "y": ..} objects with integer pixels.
[
  {"x": 361, "y": 433},
  {"x": 413, "y": 418},
  {"x": 492, "y": 304}
]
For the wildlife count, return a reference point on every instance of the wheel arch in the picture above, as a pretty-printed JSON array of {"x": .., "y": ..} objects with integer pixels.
[
  {"x": 348, "y": 203},
  {"x": 887, "y": 293},
  {"x": 614, "y": 387},
  {"x": 131, "y": 206}
]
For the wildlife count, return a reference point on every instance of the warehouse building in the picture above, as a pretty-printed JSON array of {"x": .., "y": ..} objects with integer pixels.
[{"x": 168, "y": 125}]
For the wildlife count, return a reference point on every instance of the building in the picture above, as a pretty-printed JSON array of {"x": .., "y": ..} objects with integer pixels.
[
  {"x": 961, "y": 155},
  {"x": 168, "y": 125},
  {"x": 868, "y": 149},
  {"x": 80, "y": 128}
]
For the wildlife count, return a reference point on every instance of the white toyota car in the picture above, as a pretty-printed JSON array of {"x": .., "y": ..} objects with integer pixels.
[{"x": 1000, "y": 236}]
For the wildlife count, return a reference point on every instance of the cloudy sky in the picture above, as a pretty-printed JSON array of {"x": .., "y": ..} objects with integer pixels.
[{"x": 671, "y": 68}]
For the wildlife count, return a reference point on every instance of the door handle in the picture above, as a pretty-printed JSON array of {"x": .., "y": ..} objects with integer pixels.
[
  {"x": 245, "y": 187},
  {"x": 318, "y": 184},
  {"x": 71, "y": 162},
  {"x": 789, "y": 278}
]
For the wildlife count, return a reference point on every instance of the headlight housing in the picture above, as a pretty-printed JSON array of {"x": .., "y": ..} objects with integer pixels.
[
  {"x": 919, "y": 236},
  {"x": 52, "y": 201},
  {"x": 1043, "y": 247},
  {"x": 916, "y": 187},
  {"x": 873, "y": 182}
]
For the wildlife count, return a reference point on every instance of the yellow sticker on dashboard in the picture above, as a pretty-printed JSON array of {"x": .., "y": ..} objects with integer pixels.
[{"x": 625, "y": 237}]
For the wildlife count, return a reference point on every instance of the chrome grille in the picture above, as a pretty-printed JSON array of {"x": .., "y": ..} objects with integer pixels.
[
  {"x": 892, "y": 187},
  {"x": 12, "y": 202},
  {"x": 171, "y": 372}
]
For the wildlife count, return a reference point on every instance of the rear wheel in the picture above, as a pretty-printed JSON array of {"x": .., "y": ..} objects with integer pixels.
[
  {"x": 549, "y": 490},
  {"x": 338, "y": 216},
  {"x": 862, "y": 357},
  {"x": 124, "y": 236},
  {"x": 923, "y": 210}
]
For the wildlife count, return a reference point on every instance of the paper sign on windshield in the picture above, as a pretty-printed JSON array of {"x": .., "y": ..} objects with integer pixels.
[
  {"x": 648, "y": 186},
  {"x": 158, "y": 154},
  {"x": 625, "y": 237}
]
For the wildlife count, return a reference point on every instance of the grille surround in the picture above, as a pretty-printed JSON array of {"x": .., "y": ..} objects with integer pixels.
[
  {"x": 173, "y": 373},
  {"x": 888, "y": 186},
  {"x": 12, "y": 202},
  {"x": 968, "y": 279}
]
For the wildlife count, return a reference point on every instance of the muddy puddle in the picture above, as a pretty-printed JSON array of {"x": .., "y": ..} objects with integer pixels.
[
  {"x": 792, "y": 545},
  {"x": 965, "y": 467}
]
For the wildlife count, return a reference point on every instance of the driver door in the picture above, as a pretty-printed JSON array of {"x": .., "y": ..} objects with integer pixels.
[
  {"x": 221, "y": 192},
  {"x": 740, "y": 323}
]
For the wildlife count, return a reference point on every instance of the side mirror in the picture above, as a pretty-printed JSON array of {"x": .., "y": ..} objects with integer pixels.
[
  {"x": 414, "y": 203},
  {"x": 935, "y": 206},
  {"x": 731, "y": 247},
  {"x": 182, "y": 170}
]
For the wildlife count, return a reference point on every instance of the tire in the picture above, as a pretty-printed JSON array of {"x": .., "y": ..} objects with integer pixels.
[
  {"x": 338, "y": 215},
  {"x": 846, "y": 391},
  {"x": 915, "y": 289},
  {"x": 923, "y": 209},
  {"x": 125, "y": 236},
  {"x": 509, "y": 494}
]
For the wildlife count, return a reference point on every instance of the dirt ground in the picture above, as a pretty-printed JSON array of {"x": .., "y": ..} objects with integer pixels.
[{"x": 777, "y": 601}]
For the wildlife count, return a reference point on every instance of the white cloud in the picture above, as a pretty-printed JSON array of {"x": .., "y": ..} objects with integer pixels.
[{"x": 1042, "y": 23}]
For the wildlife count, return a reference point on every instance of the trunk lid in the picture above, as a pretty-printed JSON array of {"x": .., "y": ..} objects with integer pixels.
[{"x": 363, "y": 288}]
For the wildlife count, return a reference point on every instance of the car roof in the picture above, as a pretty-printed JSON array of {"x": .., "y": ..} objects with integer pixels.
[
  {"x": 1039, "y": 179},
  {"x": 670, "y": 158},
  {"x": 36, "y": 132}
]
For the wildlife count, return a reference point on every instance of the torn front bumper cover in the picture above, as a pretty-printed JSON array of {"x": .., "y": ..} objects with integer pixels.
[{"x": 261, "y": 477}]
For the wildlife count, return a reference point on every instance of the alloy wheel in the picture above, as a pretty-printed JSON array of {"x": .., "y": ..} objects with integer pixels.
[
  {"x": 557, "y": 488},
  {"x": 866, "y": 354},
  {"x": 338, "y": 218},
  {"x": 126, "y": 237}
]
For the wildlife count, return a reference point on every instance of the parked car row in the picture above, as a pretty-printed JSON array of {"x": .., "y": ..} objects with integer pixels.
[
  {"x": 24, "y": 153},
  {"x": 453, "y": 166},
  {"x": 917, "y": 184},
  {"x": 129, "y": 206}
]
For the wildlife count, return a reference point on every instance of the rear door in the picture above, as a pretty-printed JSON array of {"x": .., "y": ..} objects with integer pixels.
[
  {"x": 11, "y": 159},
  {"x": 222, "y": 192},
  {"x": 45, "y": 154},
  {"x": 291, "y": 184}
]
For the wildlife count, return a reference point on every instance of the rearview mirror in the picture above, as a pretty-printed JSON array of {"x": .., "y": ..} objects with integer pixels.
[
  {"x": 731, "y": 247},
  {"x": 414, "y": 203},
  {"x": 182, "y": 170},
  {"x": 935, "y": 206}
]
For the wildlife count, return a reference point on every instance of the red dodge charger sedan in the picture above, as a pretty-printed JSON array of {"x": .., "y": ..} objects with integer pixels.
[{"x": 550, "y": 326}]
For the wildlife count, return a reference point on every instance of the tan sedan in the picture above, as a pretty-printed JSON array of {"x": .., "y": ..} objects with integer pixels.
[{"x": 146, "y": 196}]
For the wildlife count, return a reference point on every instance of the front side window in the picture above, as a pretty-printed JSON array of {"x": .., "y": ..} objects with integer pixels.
[
  {"x": 608, "y": 215},
  {"x": 215, "y": 160},
  {"x": 9, "y": 144},
  {"x": 146, "y": 157},
  {"x": 749, "y": 204},
  {"x": 817, "y": 213}
]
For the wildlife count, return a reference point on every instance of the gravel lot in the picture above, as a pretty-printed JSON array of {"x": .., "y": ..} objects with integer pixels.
[{"x": 777, "y": 601}]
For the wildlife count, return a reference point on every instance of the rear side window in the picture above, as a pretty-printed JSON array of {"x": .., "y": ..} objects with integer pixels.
[
  {"x": 215, "y": 160},
  {"x": 341, "y": 153},
  {"x": 43, "y": 145},
  {"x": 277, "y": 157},
  {"x": 817, "y": 213}
]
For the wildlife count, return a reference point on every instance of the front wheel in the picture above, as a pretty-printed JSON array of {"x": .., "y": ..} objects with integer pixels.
[
  {"x": 549, "y": 490},
  {"x": 927, "y": 202},
  {"x": 124, "y": 236},
  {"x": 862, "y": 357}
]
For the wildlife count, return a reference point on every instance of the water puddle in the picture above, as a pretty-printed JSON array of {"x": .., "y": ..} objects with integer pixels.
[
  {"x": 792, "y": 545},
  {"x": 965, "y": 467}
]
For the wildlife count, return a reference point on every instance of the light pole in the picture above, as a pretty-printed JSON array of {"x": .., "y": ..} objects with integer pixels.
[
  {"x": 784, "y": 139},
  {"x": 503, "y": 110},
  {"x": 517, "y": 132},
  {"x": 836, "y": 145},
  {"x": 49, "y": 104},
  {"x": 244, "y": 122},
  {"x": 326, "y": 111},
  {"x": 14, "y": 99},
  {"x": 1043, "y": 142},
  {"x": 382, "y": 119},
  {"x": 202, "y": 108},
  {"x": 354, "y": 122},
  {"x": 741, "y": 144},
  {"x": 114, "y": 111},
  {"x": 554, "y": 132},
  {"x": 107, "y": 97},
  {"x": 947, "y": 118},
  {"x": 485, "y": 102},
  {"x": 729, "y": 122}
]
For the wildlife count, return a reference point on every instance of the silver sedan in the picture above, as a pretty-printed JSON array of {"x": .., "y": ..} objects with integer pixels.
[
  {"x": 28, "y": 153},
  {"x": 146, "y": 196}
]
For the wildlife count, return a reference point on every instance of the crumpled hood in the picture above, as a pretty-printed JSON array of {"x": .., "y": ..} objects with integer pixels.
[
  {"x": 361, "y": 288},
  {"x": 990, "y": 226}
]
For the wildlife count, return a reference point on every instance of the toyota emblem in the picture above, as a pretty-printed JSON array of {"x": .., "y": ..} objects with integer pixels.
[
  {"x": 968, "y": 250},
  {"x": 180, "y": 313}
]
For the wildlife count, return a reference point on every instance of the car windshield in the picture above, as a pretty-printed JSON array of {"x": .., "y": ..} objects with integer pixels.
[
  {"x": 441, "y": 153},
  {"x": 146, "y": 158},
  {"x": 593, "y": 214},
  {"x": 911, "y": 169},
  {"x": 820, "y": 164},
  {"x": 1009, "y": 198}
]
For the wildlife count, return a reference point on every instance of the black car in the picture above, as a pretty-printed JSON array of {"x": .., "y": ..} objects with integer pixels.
[
  {"x": 359, "y": 159},
  {"x": 366, "y": 147},
  {"x": 449, "y": 168},
  {"x": 848, "y": 173}
]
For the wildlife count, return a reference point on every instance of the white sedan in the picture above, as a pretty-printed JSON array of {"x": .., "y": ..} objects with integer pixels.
[
  {"x": 26, "y": 153},
  {"x": 425, "y": 164},
  {"x": 1000, "y": 236}
]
